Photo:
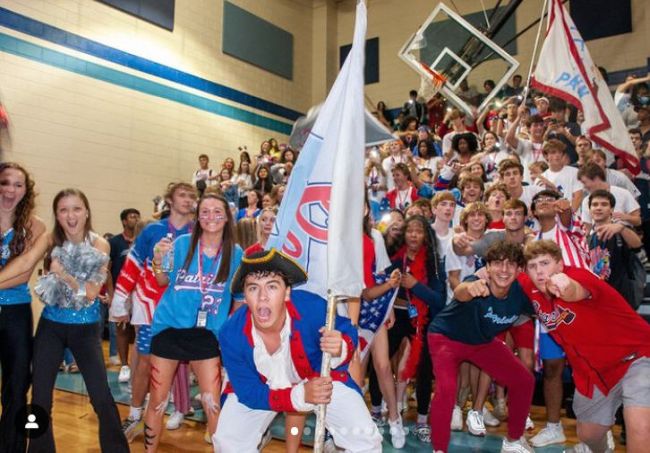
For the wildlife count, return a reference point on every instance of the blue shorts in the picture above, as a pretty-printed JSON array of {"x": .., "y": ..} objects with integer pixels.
[
  {"x": 143, "y": 339},
  {"x": 548, "y": 348}
]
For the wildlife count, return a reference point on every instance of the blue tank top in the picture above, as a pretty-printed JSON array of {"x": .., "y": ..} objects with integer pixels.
[
  {"x": 87, "y": 315},
  {"x": 18, "y": 294}
]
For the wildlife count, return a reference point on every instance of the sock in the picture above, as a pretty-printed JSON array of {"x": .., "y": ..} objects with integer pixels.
[
  {"x": 375, "y": 409},
  {"x": 557, "y": 425},
  {"x": 422, "y": 419},
  {"x": 135, "y": 413}
]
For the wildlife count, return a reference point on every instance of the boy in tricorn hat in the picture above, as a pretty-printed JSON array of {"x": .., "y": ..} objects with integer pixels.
[{"x": 273, "y": 367}]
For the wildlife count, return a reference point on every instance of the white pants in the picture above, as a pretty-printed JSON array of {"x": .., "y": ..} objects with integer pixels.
[{"x": 240, "y": 429}]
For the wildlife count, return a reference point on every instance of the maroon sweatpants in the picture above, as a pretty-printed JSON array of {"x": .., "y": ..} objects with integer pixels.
[{"x": 497, "y": 360}]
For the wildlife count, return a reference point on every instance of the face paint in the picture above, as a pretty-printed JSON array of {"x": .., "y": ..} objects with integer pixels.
[{"x": 209, "y": 404}]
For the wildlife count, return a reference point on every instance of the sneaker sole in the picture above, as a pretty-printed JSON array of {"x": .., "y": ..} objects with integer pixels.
[
  {"x": 546, "y": 444},
  {"x": 133, "y": 436}
]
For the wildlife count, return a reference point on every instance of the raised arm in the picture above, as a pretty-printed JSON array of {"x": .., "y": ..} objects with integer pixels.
[
  {"x": 20, "y": 269},
  {"x": 467, "y": 291},
  {"x": 511, "y": 137}
]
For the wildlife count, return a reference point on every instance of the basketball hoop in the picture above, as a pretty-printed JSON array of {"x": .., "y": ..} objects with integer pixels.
[{"x": 430, "y": 85}]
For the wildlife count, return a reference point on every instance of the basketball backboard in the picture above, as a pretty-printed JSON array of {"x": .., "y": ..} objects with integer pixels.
[{"x": 449, "y": 45}]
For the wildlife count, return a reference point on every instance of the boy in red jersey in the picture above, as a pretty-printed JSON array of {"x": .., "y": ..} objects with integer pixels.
[{"x": 606, "y": 342}]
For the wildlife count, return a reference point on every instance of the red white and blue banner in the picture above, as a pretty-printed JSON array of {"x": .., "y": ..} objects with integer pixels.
[
  {"x": 321, "y": 216},
  {"x": 566, "y": 70}
]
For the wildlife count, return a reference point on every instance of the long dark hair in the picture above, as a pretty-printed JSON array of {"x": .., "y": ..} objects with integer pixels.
[
  {"x": 22, "y": 214},
  {"x": 227, "y": 241},
  {"x": 430, "y": 243},
  {"x": 263, "y": 185},
  {"x": 367, "y": 219},
  {"x": 58, "y": 234}
]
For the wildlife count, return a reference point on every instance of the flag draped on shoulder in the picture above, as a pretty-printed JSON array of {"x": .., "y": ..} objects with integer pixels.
[
  {"x": 565, "y": 69},
  {"x": 320, "y": 219}
]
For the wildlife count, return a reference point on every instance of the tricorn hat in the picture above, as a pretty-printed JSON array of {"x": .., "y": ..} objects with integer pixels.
[{"x": 267, "y": 261}]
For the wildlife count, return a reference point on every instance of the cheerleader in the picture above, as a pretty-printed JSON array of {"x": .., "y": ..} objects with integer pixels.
[
  {"x": 19, "y": 228},
  {"x": 76, "y": 260}
]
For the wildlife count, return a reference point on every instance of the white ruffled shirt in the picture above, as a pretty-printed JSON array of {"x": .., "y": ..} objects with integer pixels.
[{"x": 278, "y": 368}]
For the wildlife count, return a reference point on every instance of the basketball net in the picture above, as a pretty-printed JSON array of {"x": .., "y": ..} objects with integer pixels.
[{"x": 430, "y": 85}]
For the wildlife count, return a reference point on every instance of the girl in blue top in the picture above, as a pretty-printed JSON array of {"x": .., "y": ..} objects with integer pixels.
[
  {"x": 252, "y": 208},
  {"x": 192, "y": 310},
  {"x": 19, "y": 228},
  {"x": 76, "y": 259}
]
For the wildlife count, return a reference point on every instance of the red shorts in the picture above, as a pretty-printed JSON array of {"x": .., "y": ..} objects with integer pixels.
[{"x": 523, "y": 335}]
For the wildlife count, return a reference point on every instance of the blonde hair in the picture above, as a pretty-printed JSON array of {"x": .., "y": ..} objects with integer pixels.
[
  {"x": 535, "y": 249},
  {"x": 443, "y": 195},
  {"x": 246, "y": 233},
  {"x": 476, "y": 206}
]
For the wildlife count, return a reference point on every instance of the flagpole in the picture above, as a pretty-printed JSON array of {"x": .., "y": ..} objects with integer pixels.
[
  {"x": 319, "y": 434},
  {"x": 532, "y": 60}
]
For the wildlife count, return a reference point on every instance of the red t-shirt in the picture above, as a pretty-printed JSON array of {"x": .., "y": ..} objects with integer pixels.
[
  {"x": 601, "y": 335},
  {"x": 496, "y": 225}
]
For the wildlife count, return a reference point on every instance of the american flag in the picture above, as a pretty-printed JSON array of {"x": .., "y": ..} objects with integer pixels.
[{"x": 373, "y": 314}]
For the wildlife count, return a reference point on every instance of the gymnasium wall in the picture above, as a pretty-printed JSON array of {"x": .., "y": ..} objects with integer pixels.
[{"x": 104, "y": 101}]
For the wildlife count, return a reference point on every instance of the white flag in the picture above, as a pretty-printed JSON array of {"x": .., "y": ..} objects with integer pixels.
[
  {"x": 565, "y": 70},
  {"x": 320, "y": 219}
]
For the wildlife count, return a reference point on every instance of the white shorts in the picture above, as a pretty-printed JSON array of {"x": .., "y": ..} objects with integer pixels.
[{"x": 240, "y": 429}]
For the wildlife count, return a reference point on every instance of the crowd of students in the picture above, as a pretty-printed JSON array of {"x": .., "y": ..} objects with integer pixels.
[{"x": 476, "y": 226}]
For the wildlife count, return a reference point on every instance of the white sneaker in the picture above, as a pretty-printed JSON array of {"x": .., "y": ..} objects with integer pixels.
[
  {"x": 500, "y": 410},
  {"x": 584, "y": 448},
  {"x": 548, "y": 436},
  {"x": 610, "y": 438},
  {"x": 132, "y": 428},
  {"x": 475, "y": 424},
  {"x": 125, "y": 374},
  {"x": 529, "y": 423},
  {"x": 114, "y": 360},
  {"x": 489, "y": 419},
  {"x": 518, "y": 446},
  {"x": 397, "y": 434},
  {"x": 329, "y": 446},
  {"x": 175, "y": 420},
  {"x": 457, "y": 419}
]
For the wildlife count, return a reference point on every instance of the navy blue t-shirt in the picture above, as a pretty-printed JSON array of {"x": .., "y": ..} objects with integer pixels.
[
  {"x": 119, "y": 250},
  {"x": 481, "y": 319}
]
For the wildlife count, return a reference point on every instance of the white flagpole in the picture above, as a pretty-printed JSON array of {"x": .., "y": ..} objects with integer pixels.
[{"x": 532, "y": 59}]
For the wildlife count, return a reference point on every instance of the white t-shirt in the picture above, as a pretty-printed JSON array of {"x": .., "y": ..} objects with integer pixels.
[
  {"x": 430, "y": 163},
  {"x": 203, "y": 175},
  {"x": 528, "y": 192},
  {"x": 566, "y": 181},
  {"x": 444, "y": 242},
  {"x": 528, "y": 153},
  {"x": 388, "y": 165},
  {"x": 625, "y": 203},
  {"x": 618, "y": 178},
  {"x": 375, "y": 177},
  {"x": 465, "y": 264}
]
